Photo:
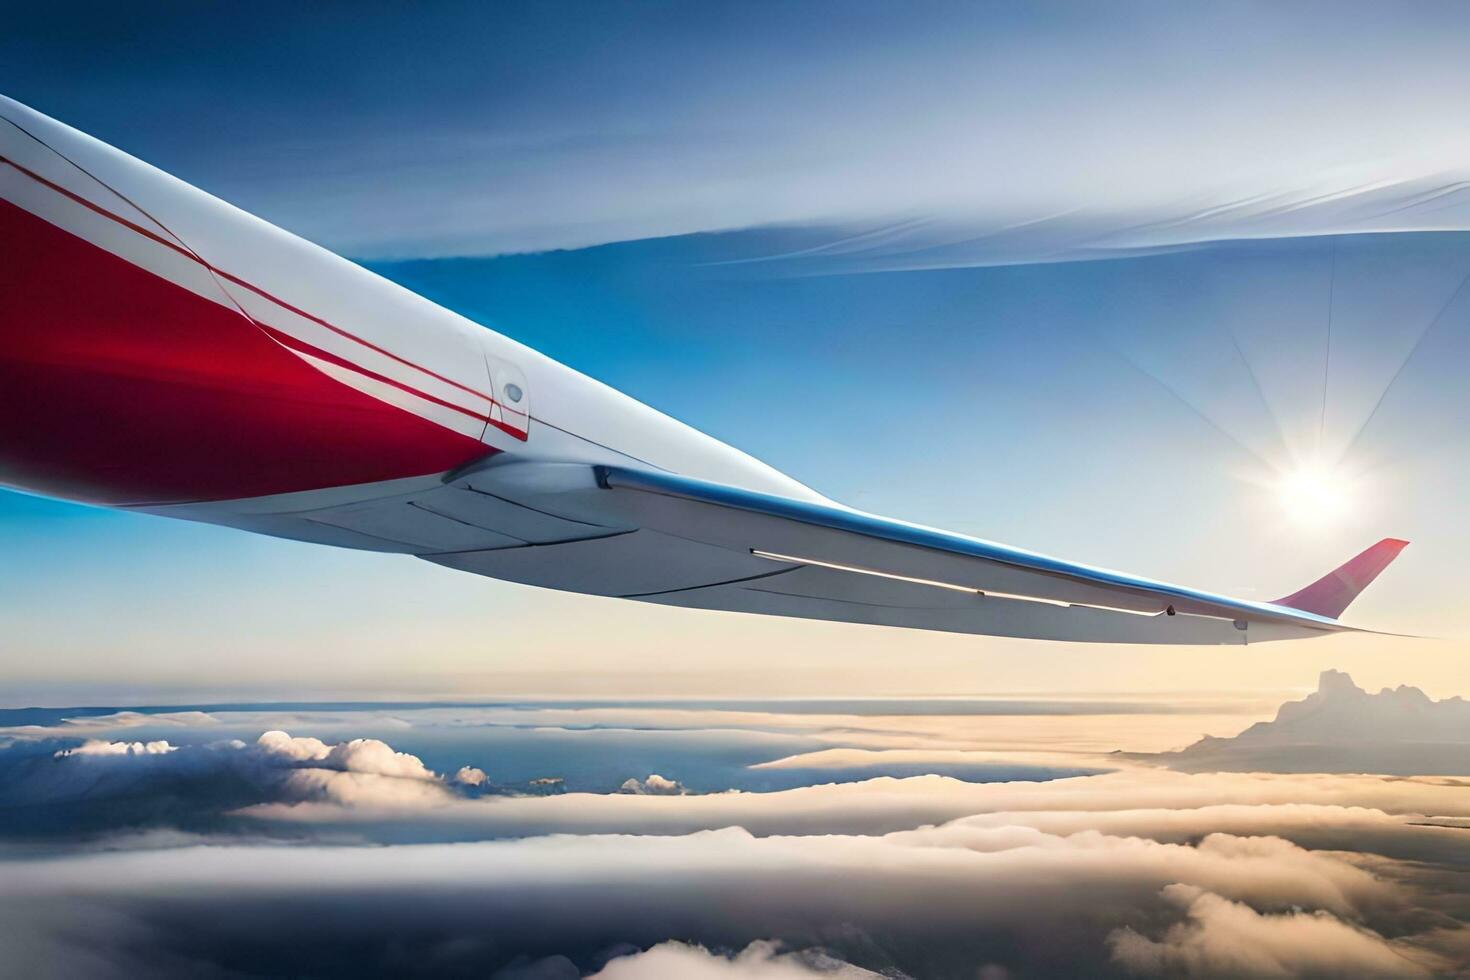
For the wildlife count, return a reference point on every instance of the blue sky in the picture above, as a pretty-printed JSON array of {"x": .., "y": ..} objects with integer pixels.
[{"x": 851, "y": 241}]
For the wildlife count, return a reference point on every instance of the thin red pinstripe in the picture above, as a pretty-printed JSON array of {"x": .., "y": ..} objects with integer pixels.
[{"x": 282, "y": 336}]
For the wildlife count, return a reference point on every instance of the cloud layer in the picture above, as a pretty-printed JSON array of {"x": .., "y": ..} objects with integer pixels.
[
  {"x": 196, "y": 855},
  {"x": 934, "y": 902},
  {"x": 1083, "y": 880}
]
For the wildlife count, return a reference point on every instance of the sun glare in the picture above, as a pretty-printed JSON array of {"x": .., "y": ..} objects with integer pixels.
[{"x": 1316, "y": 495}]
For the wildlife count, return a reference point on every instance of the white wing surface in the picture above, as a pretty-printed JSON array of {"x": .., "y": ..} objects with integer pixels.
[{"x": 673, "y": 540}]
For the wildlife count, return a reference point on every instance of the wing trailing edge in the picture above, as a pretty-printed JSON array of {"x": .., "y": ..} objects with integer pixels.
[{"x": 663, "y": 538}]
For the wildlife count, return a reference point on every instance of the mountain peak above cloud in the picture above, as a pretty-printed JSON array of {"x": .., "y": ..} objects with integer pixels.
[
  {"x": 1340, "y": 727},
  {"x": 1339, "y": 701},
  {"x": 1339, "y": 710},
  {"x": 1336, "y": 683}
]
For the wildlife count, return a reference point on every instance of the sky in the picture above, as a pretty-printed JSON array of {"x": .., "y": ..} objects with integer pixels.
[
  {"x": 1091, "y": 282},
  {"x": 1099, "y": 280}
]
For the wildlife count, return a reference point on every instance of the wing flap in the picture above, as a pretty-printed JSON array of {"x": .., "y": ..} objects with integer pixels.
[{"x": 817, "y": 593}]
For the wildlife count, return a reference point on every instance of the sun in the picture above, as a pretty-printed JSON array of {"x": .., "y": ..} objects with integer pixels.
[{"x": 1315, "y": 495}]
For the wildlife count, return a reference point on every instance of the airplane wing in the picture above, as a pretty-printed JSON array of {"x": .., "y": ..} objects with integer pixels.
[
  {"x": 168, "y": 353},
  {"x": 674, "y": 540}
]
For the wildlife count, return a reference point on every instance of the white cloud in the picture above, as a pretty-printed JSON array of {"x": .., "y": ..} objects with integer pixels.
[
  {"x": 1043, "y": 872},
  {"x": 1221, "y": 938},
  {"x": 470, "y": 776},
  {"x": 298, "y": 748},
  {"x": 363, "y": 755},
  {"x": 132, "y": 719},
  {"x": 368, "y": 755},
  {"x": 357, "y": 772},
  {"x": 654, "y": 785},
  {"x": 1140, "y": 869},
  {"x": 761, "y": 960},
  {"x": 78, "y": 786},
  {"x": 869, "y": 900},
  {"x": 886, "y": 804},
  {"x": 97, "y": 747},
  {"x": 354, "y": 789}
]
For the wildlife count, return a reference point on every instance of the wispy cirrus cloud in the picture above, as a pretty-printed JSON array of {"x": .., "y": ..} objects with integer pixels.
[{"x": 946, "y": 135}]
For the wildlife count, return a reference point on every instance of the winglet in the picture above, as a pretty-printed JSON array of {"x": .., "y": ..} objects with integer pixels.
[{"x": 1331, "y": 594}]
